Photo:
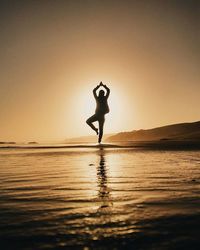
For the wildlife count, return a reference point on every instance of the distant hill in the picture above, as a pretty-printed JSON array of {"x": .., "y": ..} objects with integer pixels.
[{"x": 181, "y": 131}]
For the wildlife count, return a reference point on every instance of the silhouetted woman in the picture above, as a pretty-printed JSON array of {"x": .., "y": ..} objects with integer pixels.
[{"x": 101, "y": 109}]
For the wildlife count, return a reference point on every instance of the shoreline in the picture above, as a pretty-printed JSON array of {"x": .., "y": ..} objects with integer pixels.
[{"x": 149, "y": 145}]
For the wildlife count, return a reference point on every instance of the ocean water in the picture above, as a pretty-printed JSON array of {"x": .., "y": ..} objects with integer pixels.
[{"x": 99, "y": 198}]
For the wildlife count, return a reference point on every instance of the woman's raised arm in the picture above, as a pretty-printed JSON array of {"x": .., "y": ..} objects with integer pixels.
[
  {"x": 94, "y": 91},
  {"x": 108, "y": 91}
]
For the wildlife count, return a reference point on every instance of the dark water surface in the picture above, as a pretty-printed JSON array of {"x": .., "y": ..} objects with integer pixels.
[{"x": 99, "y": 199}]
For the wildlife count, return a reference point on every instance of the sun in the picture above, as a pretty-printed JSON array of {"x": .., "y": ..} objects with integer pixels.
[{"x": 86, "y": 105}]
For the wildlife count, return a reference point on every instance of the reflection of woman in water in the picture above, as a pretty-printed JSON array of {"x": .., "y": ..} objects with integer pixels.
[
  {"x": 101, "y": 109},
  {"x": 104, "y": 190}
]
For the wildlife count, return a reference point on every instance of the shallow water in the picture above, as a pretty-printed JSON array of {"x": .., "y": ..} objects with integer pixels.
[{"x": 99, "y": 199}]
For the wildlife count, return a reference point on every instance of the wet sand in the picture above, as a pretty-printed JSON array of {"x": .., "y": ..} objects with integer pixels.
[{"x": 99, "y": 198}]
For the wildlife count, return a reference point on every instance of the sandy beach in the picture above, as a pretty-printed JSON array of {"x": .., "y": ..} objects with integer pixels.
[{"x": 99, "y": 198}]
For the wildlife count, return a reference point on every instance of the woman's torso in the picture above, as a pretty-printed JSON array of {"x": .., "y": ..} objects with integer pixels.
[{"x": 102, "y": 105}]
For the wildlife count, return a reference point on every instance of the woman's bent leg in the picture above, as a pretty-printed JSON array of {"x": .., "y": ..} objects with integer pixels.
[{"x": 90, "y": 121}]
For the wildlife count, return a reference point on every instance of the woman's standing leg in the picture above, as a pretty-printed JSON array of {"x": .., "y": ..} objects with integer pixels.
[{"x": 101, "y": 124}]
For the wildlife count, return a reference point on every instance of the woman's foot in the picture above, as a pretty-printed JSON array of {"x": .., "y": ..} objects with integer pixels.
[{"x": 96, "y": 130}]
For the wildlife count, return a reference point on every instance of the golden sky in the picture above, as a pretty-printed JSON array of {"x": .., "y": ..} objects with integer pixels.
[{"x": 53, "y": 53}]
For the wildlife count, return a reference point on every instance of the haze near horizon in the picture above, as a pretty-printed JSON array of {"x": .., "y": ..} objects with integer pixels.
[{"x": 53, "y": 53}]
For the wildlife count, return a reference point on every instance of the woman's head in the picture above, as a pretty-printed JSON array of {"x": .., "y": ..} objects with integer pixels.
[{"x": 101, "y": 93}]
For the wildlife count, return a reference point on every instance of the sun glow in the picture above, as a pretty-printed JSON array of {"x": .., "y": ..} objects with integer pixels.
[{"x": 85, "y": 107}]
